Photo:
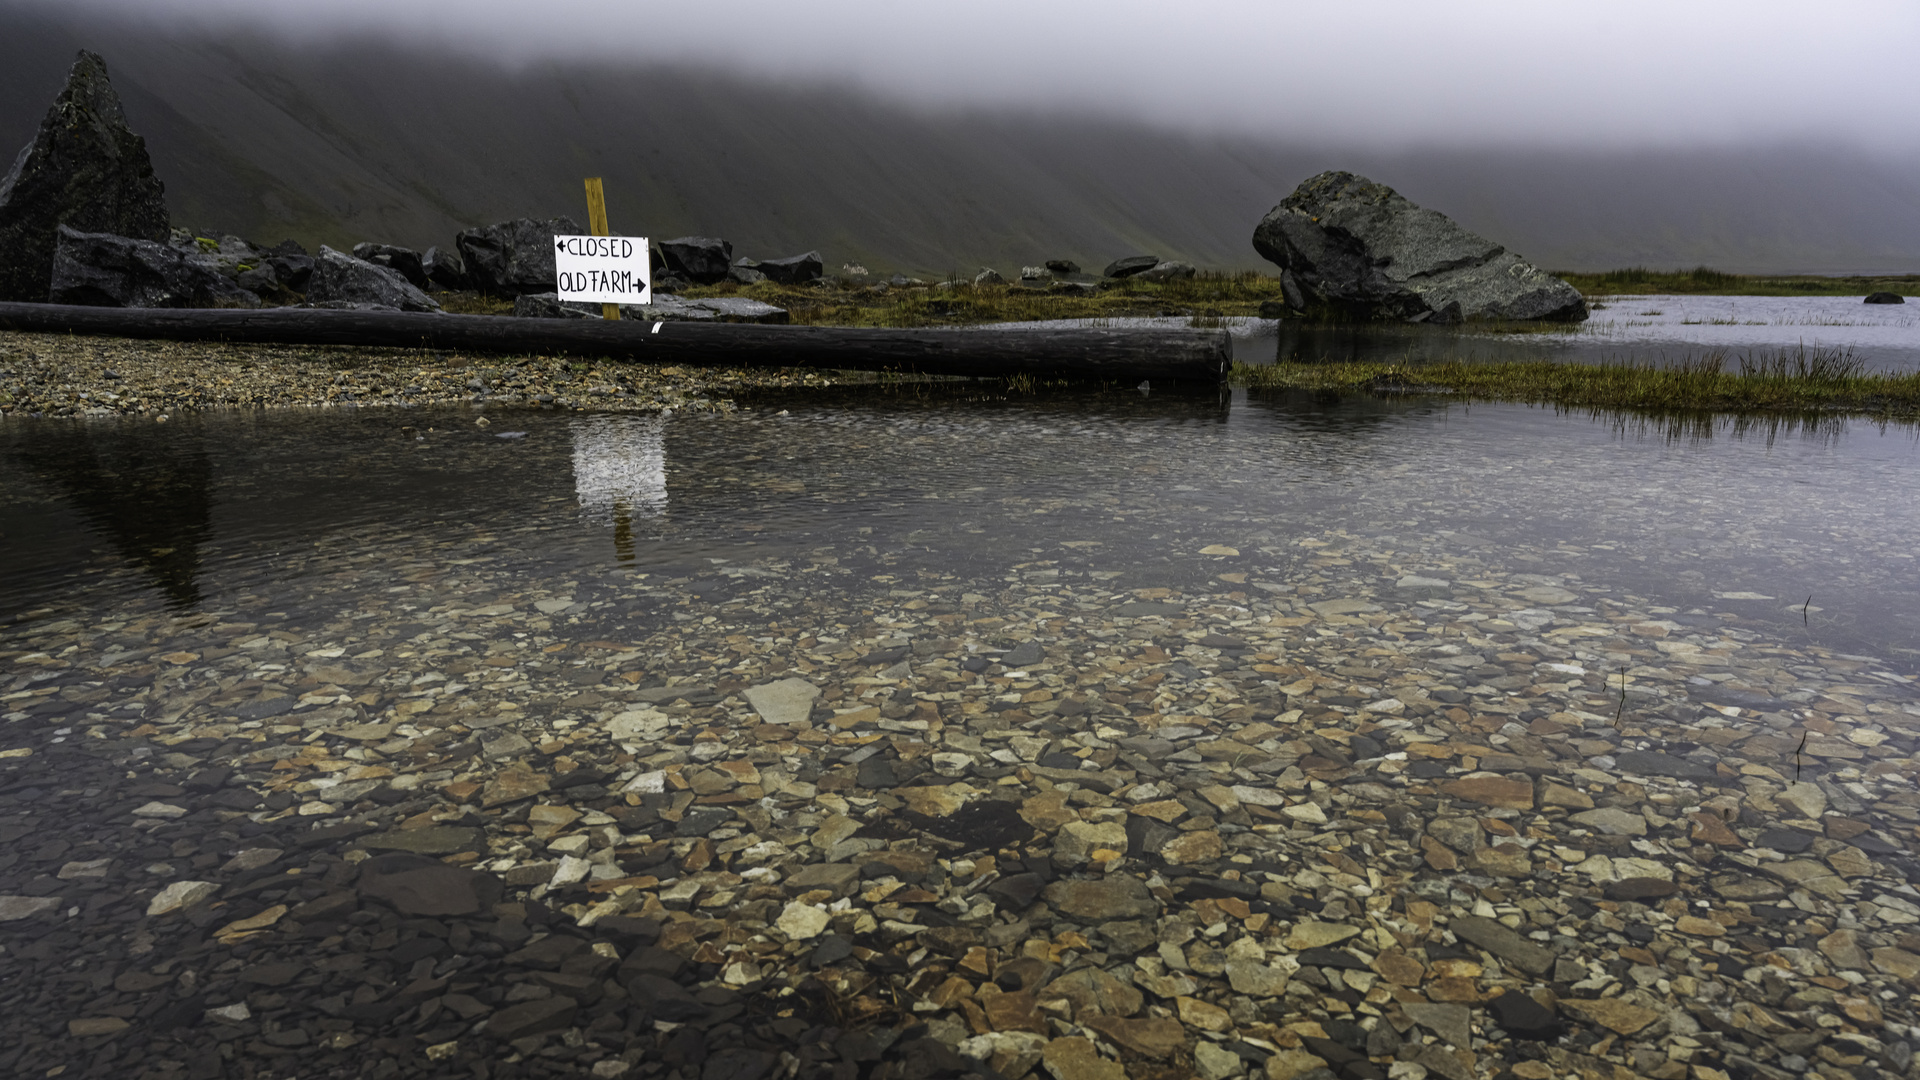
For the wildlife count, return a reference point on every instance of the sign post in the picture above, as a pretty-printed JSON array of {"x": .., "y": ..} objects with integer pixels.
[{"x": 612, "y": 270}]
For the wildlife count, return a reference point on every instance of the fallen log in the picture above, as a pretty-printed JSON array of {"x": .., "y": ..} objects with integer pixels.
[{"x": 1078, "y": 353}]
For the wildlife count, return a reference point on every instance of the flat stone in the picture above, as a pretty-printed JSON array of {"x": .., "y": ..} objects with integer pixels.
[
  {"x": 1843, "y": 949},
  {"x": 1307, "y": 934},
  {"x": 1503, "y": 943},
  {"x": 1897, "y": 962},
  {"x": 1554, "y": 793},
  {"x": 416, "y": 885},
  {"x": 1203, "y": 1015},
  {"x": 1256, "y": 978},
  {"x": 512, "y": 784},
  {"x": 1613, "y": 821},
  {"x": 1657, "y": 763},
  {"x": 1074, "y": 1058},
  {"x": 1092, "y": 991},
  {"x": 1547, "y": 594},
  {"x": 1785, "y": 841},
  {"x": 181, "y": 895},
  {"x": 1806, "y": 800},
  {"x": 1307, "y": 813},
  {"x": 1492, "y": 791},
  {"x": 89, "y": 1026},
  {"x": 1450, "y": 1022},
  {"x": 532, "y": 1018},
  {"x": 1293, "y": 1064},
  {"x": 1153, "y": 1036},
  {"x": 1215, "y": 1062},
  {"x": 1614, "y": 1014},
  {"x": 803, "y": 922},
  {"x": 1189, "y": 848},
  {"x": 1097, "y": 901},
  {"x": 1641, "y": 888},
  {"x": 786, "y": 701},
  {"x": 1523, "y": 1017},
  {"x": 15, "y": 908},
  {"x": 1075, "y": 843},
  {"x": 836, "y": 878}
]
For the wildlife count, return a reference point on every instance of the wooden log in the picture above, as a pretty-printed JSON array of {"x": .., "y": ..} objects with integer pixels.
[{"x": 1079, "y": 353}]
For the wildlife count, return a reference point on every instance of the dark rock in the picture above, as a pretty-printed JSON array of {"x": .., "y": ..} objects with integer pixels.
[
  {"x": 1366, "y": 252},
  {"x": 1523, "y": 1017},
  {"x": 404, "y": 261},
  {"x": 1785, "y": 841},
  {"x": 663, "y": 999},
  {"x": 702, "y": 259},
  {"x": 794, "y": 269},
  {"x": 1063, "y": 266},
  {"x": 1169, "y": 270},
  {"x": 341, "y": 278},
  {"x": 1503, "y": 943},
  {"x": 532, "y": 1018},
  {"x": 1016, "y": 892},
  {"x": 1884, "y": 298},
  {"x": 416, "y": 885},
  {"x": 1657, "y": 763},
  {"x": 514, "y": 257},
  {"x": 84, "y": 169},
  {"x": 1640, "y": 888},
  {"x": 1023, "y": 655},
  {"x": 745, "y": 275},
  {"x": 739, "y": 1063},
  {"x": 1131, "y": 265},
  {"x": 548, "y": 306},
  {"x": 290, "y": 272},
  {"x": 877, "y": 772},
  {"x": 1115, "y": 898},
  {"x": 443, "y": 269},
  {"x": 102, "y": 270}
]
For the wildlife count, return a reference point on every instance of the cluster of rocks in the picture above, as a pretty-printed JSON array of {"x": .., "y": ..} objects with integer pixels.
[
  {"x": 1064, "y": 276},
  {"x": 1258, "y": 827},
  {"x": 1361, "y": 251}
]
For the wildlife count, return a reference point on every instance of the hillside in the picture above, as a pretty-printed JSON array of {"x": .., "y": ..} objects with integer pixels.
[{"x": 367, "y": 140}]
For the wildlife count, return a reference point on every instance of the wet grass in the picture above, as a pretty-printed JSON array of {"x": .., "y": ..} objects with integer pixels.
[
  {"x": 1788, "y": 381},
  {"x": 1706, "y": 281}
]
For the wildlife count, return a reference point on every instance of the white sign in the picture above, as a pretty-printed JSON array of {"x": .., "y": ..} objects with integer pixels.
[{"x": 603, "y": 269}]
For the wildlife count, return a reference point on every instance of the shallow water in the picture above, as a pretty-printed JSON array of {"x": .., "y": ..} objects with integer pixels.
[{"x": 289, "y": 511}]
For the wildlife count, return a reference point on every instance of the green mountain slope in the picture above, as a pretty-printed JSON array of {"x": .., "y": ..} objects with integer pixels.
[{"x": 365, "y": 140}]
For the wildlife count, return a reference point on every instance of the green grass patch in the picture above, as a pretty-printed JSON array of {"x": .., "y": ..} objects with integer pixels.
[{"x": 1785, "y": 382}]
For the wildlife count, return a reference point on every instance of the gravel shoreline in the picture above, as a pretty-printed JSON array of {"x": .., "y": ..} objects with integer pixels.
[{"x": 61, "y": 375}]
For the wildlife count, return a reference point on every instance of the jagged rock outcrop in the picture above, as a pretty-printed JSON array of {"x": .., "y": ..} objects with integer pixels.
[
  {"x": 514, "y": 257},
  {"x": 85, "y": 169},
  {"x": 1366, "y": 252},
  {"x": 701, "y": 259},
  {"x": 103, "y": 270},
  {"x": 339, "y": 278},
  {"x": 404, "y": 261},
  {"x": 794, "y": 269}
]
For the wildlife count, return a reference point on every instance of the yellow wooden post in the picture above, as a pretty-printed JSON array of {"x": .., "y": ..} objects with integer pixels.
[{"x": 597, "y": 221}]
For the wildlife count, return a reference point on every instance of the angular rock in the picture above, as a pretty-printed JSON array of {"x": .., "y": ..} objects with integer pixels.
[
  {"x": 1522, "y": 1017},
  {"x": 84, "y": 169},
  {"x": 443, "y": 269},
  {"x": 794, "y": 269},
  {"x": 404, "y": 261},
  {"x": 787, "y": 701},
  {"x": 415, "y": 885},
  {"x": 513, "y": 257},
  {"x": 532, "y": 1018},
  {"x": 15, "y": 908},
  {"x": 1503, "y": 943},
  {"x": 1613, "y": 821},
  {"x": 1153, "y": 1036},
  {"x": 1658, "y": 763},
  {"x": 433, "y": 840},
  {"x": 1447, "y": 1021},
  {"x": 1111, "y": 898},
  {"x": 103, "y": 270},
  {"x": 1131, "y": 265},
  {"x": 1075, "y": 843},
  {"x": 1492, "y": 791},
  {"x": 1365, "y": 251},
  {"x": 701, "y": 259},
  {"x": 1614, "y": 1014},
  {"x": 1168, "y": 270},
  {"x": 1804, "y": 799},
  {"x": 339, "y": 278},
  {"x": 181, "y": 895},
  {"x": 1074, "y": 1058}
]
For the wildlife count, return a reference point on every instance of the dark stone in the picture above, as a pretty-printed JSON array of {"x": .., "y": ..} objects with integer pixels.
[
  {"x": 416, "y": 885},
  {"x": 740, "y": 1063},
  {"x": 885, "y": 656},
  {"x": 1503, "y": 943},
  {"x": 702, "y": 820},
  {"x": 443, "y": 269},
  {"x": 663, "y": 999},
  {"x": 877, "y": 772},
  {"x": 548, "y": 953},
  {"x": 84, "y": 169},
  {"x": 1785, "y": 841},
  {"x": 1016, "y": 892},
  {"x": 1640, "y": 888},
  {"x": 1063, "y": 266},
  {"x": 701, "y": 259},
  {"x": 1884, "y": 298},
  {"x": 1523, "y": 1017},
  {"x": 514, "y": 257},
  {"x": 745, "y": 275},
  {"x": 532, "y": 1018},
  {"x": 1024, "y": 654},
  {"x": 1219, "y": 889},
  {"x": 404, "y": 261},
  {"x": 342, "y": 279},
  {"x": 1134, "y": 609},
  {"x": 1167, "y": 270},
  {"x": 1330, "y": 957},
  {"x": 794, "y": 269},
  {"x": 1657, "y": 763},
  {"x": 986, "y": 824},
  {"x": 832, "y": 949},
  {"x": 103, "y": 270},
  {"x": 1131, "y": 265},
  {"x": 1366, "y": 252},
  {"x": 548, "y": 306}
]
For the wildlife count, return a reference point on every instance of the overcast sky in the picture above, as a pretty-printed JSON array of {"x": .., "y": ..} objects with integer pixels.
[{"x": 1664, "y": 72}]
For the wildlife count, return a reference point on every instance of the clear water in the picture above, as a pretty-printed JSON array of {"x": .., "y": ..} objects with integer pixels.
[{"x": 1801, "y": 536}]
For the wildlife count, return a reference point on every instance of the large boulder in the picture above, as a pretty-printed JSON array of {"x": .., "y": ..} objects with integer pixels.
[
  {"x": 444, "y": 269},
  {"x": 404, "y": 261},
  {"x": 103, "y": 270},
  {"x": 516, "y": 256},
  {"x": 701, "y": 259},
  {"x": 794, "y": 269},
  {"x": 339, "y": 278},
  {"x": 1365, "y": 252},
  {"x": 86, "y": 169},
  {"x": 1884, "y": 298},
  {"x": 1131, "y": 265}
]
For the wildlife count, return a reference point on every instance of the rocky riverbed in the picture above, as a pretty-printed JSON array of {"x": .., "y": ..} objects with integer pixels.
[
  {"x": 795, "y": 816},
  {"x": 63, "y": 375}
]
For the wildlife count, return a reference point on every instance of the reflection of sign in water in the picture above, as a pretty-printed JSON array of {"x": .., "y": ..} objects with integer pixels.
[{"x": 619, "y": 471}]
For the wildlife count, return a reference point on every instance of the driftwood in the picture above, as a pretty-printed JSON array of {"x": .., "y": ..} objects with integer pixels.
[{"x": 1119, "y": 355}]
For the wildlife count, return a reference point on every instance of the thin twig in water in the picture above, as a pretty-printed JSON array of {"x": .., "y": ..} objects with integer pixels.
[
  {"x": 1796, "y": 755},
  {"x": 1804, "y": 608},
  {"x": 1622, "y": 710}
]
